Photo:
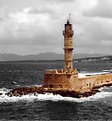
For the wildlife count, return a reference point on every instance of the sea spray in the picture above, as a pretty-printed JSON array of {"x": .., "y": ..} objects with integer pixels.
[
  {"x": 50, "y": 96},
  {"x": 85, "y": 74}
]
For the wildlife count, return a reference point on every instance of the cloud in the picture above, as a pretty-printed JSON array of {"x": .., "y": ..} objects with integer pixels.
[
  {"x": 61, "y": 1},
  {"x": 36, "y": 26},
  {"x": 103, "y": 9},
  {"x": 1, "y": 19},
  {"x": 26, "y": 18},
  {"x": 42, "y": 10},
  {"x": 93, "y": 35},
  {"x": 24, "y": 28},
  {"x": 99, "y": 30}
]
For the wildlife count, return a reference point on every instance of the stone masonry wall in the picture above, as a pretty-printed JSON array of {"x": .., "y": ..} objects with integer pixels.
[
  {"x": 71, "y": 83},
  {"x": 56, "y": 81},
  {"x": 95, "y": 81}
]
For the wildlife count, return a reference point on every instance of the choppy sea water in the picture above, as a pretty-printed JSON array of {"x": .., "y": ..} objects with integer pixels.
[{"x": 48, "y": 106}]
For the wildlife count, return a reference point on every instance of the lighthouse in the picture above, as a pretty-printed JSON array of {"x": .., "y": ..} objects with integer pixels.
[
  {"x": 66, "y": 77},
  {"x": 68, "y": 46},
  {"x": 66, "y": 81}
]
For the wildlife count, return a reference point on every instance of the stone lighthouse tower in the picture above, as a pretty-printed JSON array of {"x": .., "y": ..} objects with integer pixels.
[
  {"x": 63, "y": 78},
  {"x": 68, "y": 46}
]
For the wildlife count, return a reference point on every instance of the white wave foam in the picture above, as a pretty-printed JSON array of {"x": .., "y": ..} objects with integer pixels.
[
  {"x": 101, "y": 88},
  {"x": 13, "y": 82},
  {"x": 50, "y": 96},
  {"x": 107, "y": 70},
  {"x": 81, "y": 75},
  {"x": 85, "y": 74},
  {"x": 4, "y": 90}
]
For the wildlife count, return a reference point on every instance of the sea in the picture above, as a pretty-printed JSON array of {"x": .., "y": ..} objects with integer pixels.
[{"x": 47, "y": 106}]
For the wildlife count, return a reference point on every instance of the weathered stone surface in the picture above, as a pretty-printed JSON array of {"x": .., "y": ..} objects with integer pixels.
[{"x": 41, "y": 90}]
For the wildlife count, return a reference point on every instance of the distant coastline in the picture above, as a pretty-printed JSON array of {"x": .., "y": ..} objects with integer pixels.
[{"x": 50, "y": 56}]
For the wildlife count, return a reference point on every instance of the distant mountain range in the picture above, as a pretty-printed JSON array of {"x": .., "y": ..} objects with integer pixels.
[{"x": 44, "y": 56}]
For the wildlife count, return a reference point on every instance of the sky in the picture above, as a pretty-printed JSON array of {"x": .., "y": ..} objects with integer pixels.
[{"x": 35, "y": 26}]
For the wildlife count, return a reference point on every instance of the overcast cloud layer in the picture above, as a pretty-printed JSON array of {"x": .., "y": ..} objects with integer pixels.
[{"x": 35, "y": 26}]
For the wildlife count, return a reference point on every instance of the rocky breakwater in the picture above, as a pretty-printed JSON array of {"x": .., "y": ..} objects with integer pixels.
[{"x": 42, "y": 90}]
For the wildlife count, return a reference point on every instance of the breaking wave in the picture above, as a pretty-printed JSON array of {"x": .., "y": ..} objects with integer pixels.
[
  {"x": 105, "y": 92},
  {"x": 85, "y": 74}
]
